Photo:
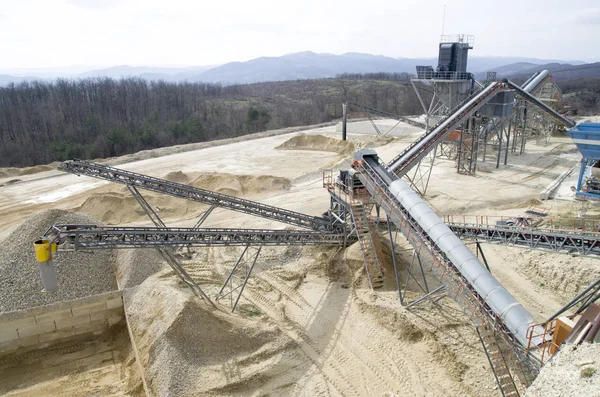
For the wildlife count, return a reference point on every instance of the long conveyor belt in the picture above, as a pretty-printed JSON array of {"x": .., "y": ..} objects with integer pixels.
[
  {"x": 504, "y": 322},
  {"x": 80, "y": 167},
  {"x": 402, "y": 163},
  {"x": 81, "y": 237},
  {"x": 581, "y": 243},
  {"x": 532, "y": 99},
  {"x": 424, "y": 230},
  {"x": 411, "y": 156}
]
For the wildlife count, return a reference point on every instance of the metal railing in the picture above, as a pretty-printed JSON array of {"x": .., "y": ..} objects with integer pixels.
[
  {"x": 544, "y": 351},
  {"x": 447, "y": 75},
  {"x": 558, "y": 225}
]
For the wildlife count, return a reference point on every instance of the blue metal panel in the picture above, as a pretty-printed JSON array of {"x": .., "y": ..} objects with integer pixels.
[{"x": 587, "y": 132}]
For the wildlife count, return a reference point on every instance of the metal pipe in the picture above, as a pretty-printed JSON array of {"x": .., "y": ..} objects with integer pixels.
[{"x": 534, "y": 82}]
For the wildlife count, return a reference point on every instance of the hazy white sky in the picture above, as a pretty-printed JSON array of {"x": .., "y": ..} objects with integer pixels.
[{"x": 50, "y": 33}]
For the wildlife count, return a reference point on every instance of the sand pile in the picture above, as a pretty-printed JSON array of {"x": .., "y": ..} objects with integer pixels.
[
  {"x": 523, "y": 204},
  {"x": 79, "y": 273},
  {"x": 239, "y": 185},
  {"x": 565, "y": 274},
  {"x": 320, "y": 143},
  {"x": 120, "y": 207},
  {"x": 8, "y": 172},
  {"x": 178, "y": 176},
  {"x": 574, "y": 371},
  {"x": 188, "y": 349}
]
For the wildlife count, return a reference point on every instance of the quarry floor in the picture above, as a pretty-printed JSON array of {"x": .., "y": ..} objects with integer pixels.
[{"x": 308, "y": 325}]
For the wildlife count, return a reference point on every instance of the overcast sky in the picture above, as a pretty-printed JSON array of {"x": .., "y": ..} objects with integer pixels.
[{"x": 51, "y": 33}]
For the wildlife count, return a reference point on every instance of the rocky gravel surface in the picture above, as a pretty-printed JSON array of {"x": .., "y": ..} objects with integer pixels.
[
  {"x": 574, "y": 371},
  {"x": 79, "y": 274}
]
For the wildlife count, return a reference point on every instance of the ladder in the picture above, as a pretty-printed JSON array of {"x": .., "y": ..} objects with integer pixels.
[
  {"x": 497, "y": 360},
  {"x": 368, "y": 238}
]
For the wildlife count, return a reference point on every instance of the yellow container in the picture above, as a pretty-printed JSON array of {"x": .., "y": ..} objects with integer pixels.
[
  {"x": 53, "y": 247},
  {"x": 42, "y": 250}
]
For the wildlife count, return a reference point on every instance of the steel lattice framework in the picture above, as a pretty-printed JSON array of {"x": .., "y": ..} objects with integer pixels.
[
  {"x": 583, "y": 244},
  {"x": 79, "y": 167},
  {"x": 81, "y": 237}
]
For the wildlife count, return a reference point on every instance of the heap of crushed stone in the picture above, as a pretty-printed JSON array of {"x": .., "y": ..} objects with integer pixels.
[
  {"x": 136, "y": 265},
  {"x": 573, "y": 371},
  {"x": 190, "y": 349},
  {"x": 79, "y": 274}
]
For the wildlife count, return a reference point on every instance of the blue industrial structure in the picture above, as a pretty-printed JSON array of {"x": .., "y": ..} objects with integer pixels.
[{"x": 587, "y": 138}]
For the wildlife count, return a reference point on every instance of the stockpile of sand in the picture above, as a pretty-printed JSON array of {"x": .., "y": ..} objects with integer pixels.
[
  {"x": 117, "y": 206},
  {"x": 79, "y": 274},
  {"x": 320, "y": 143},
  {"x": 565, "y": 274},
  {"x": 120, "y": 207},
  {"x": 9, "y": 172},
  {"x": 574, "y": 371},
  {"x": 239, "y": 185}
]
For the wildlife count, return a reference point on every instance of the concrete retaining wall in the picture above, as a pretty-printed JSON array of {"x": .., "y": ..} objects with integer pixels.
[{"x": 45, "y": 325}]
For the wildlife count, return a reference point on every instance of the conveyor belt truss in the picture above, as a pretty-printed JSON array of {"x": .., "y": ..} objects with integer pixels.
[
  {"x": 412, "y": 155},
  {"x": 531, "y": 238},
  {"x": 82, "y": 237},
  {"x": 79, "y": 167},
  {"x": 455, "y": 283}
]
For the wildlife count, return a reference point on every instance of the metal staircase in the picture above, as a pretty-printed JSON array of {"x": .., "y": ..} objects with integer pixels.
[
  {"x": 497, "y": 360},
  {"x": 368, "y": 238}
]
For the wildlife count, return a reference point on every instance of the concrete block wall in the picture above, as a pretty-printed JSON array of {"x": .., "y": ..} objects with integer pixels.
[{"x": 45, "y": 325}]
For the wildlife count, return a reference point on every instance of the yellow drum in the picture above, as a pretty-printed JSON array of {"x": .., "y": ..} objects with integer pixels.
[{"x": 42, "y": 250}]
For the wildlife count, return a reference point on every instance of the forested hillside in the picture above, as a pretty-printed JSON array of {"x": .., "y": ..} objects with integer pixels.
[
  {"x": 43, "y": 122},
  {"x": 583, "y": 95}
]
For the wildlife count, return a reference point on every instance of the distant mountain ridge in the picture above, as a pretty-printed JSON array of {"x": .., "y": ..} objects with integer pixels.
[
  {"x": 305, "y": 65},
  {"x": 560, "y": 71},
  {"x": 301, "y": 65}
]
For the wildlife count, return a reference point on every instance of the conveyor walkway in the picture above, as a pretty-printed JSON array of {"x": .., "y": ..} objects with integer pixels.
[{"x": 80, "y": 167}]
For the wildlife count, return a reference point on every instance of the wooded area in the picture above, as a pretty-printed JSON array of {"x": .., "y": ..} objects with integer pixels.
[
  {"x": 93, "y": 118},
  {"x": 583, "y": 95}
]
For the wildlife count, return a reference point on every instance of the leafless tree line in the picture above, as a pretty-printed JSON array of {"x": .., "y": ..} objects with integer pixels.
[{"x": 42, "y": 122}]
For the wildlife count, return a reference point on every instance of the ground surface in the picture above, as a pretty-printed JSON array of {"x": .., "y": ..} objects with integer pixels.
[{"x": 308, "y": 325}]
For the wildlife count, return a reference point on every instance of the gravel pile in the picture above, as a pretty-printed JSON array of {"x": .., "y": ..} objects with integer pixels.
[
  {"x": 79, "y": 274},
  {"x": 574, "y": 371},
  {"x": 136, "y": 265}
]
